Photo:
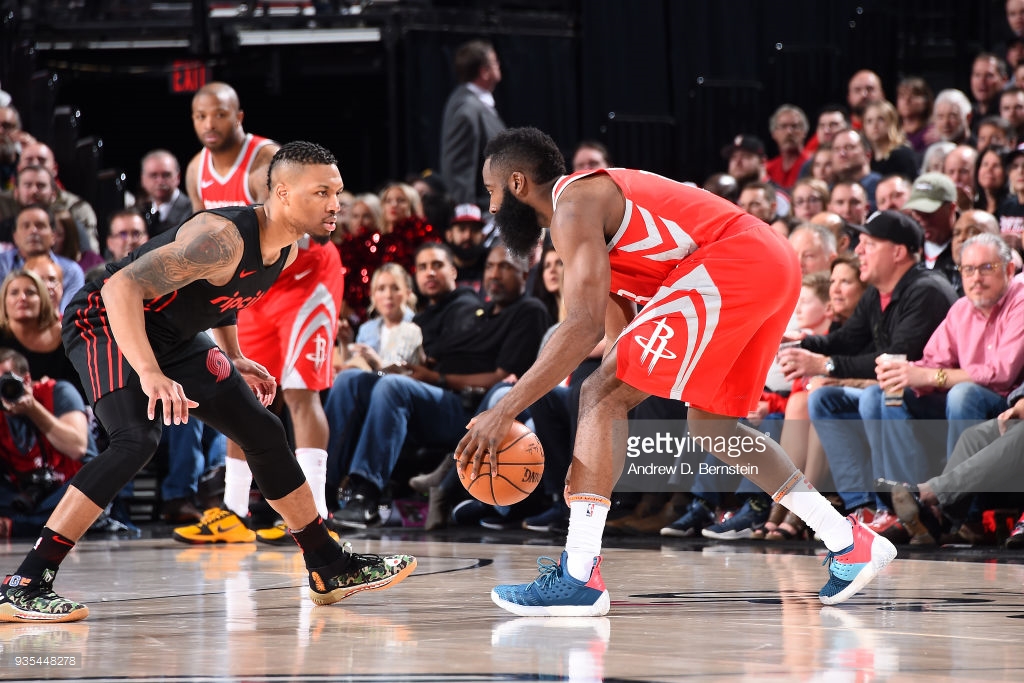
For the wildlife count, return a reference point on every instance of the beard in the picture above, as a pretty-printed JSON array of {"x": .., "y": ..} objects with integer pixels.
[
  {"x": 469, "y": 255},
  {"x": 518, "y": 226}
]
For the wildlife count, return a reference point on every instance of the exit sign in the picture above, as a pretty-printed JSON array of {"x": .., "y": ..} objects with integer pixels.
[{"x": 188, "y": 75}]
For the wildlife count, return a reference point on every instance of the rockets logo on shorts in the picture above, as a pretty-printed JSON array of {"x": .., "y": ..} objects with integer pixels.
[
  {"x": 218, "y": 364},
  {"x": 654, "y": 346},
  {"x": 319, "y": 355}
]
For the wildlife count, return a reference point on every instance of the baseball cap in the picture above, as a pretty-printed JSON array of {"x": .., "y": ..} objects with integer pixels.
[
  {"x": 745, "y": 143},
  {"x": 896, "y": 227},
  {"x": 468, "y": 213},
  {"x": 929, "y": 192}
]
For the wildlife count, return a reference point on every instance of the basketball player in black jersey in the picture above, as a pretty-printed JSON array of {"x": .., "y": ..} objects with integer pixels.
[{"x": 137, "y": 342}]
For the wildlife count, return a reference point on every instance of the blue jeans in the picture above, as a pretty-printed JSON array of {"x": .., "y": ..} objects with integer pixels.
[
  {"x": 904, "y": 439},
  {"x": 969, "y": 404},
  {"x": 400, "y": 406},
  {"x": 27, "y": 523},
  {"x": 345, "y": 408},
  {"x": 192, "y": 448},
  {"x": 835, "y": 414},
  {"x": 710, "y": 487}
]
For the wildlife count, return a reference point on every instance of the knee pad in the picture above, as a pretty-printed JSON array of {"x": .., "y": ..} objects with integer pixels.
[
  {"x": 131, "y": 447},
  {"x": 270, "y": 458}
]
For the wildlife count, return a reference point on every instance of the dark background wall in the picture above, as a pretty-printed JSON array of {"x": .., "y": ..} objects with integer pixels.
[{"x": 665, "y": 83}]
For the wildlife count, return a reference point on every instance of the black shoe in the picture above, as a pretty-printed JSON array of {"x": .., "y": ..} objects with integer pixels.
[
  {"x": 470, "y": 512},
  {"x": 361, "y": 511},
  {"x": 210, "y": 491},
  {"x": 180, "y": 511}
]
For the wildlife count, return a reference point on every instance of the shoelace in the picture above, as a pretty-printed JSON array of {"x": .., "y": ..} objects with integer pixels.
[
  {"x": 548, "y": 568},
  {"x": 213, "y": 514},
  {"x": 346, "y": 548}
]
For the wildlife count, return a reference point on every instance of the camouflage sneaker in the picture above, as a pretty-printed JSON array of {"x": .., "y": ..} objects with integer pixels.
[
  {"x": 357, "y": 573},
  {"x": 32, "y": 600}
]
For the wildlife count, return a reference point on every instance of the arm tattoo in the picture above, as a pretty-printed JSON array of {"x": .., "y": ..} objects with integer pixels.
[{"x": 208, "y": 250}]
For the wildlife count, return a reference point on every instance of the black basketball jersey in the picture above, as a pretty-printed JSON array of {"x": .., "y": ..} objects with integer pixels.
[{"x": 200, "y": 305}]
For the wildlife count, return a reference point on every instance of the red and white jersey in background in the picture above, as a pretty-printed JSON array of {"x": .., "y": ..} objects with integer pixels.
[
  {"x": 232, "y": 189},
  {"x": 664, "y": 222}
]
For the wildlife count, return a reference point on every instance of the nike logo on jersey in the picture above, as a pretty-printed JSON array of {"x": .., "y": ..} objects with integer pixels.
[
  {"x": 205, "y": 183},
  {"x": 245, "y": 273},
  {"x": 303, "y": 273}
]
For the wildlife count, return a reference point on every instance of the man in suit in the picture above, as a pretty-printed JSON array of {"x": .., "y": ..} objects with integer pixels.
[
  {"x": 167, "y": 206},
  {"x": 469, "y": 121}
]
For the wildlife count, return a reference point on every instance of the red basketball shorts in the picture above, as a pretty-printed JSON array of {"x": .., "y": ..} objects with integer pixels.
[
  {"x": 710, "y": 333},
  {"x": 291, "y": 329}
]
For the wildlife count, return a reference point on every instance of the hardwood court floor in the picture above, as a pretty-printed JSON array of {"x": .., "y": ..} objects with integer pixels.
[{"x": 681, "y": 611}]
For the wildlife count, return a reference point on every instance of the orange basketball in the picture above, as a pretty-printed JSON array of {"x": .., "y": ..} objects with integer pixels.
[{"x": 520, "y": 465}]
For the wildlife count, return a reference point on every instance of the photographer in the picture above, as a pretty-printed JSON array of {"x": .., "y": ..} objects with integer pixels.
[{"x": 44, "y": 437}]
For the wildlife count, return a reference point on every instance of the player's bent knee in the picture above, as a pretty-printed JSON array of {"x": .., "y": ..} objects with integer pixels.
[
  {"x": 269, "y": 456},
  {"x": 129, "y": 450}
]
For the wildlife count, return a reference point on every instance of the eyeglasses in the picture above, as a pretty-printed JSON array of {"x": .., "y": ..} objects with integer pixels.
[
  {"x": 129, "y": 234},
  {"x": 983, "y": 269},
  {"x": 813, "y": 199}
]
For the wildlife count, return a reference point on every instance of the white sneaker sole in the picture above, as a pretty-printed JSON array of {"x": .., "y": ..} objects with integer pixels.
[
  {"x": 882, "y": 553},
  {"x": 598, "y": 609},
  {"x": 731, "y": 535}
]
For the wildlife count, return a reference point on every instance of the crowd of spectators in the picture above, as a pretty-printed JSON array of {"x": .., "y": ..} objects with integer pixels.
[{"x": 894, "y": 387}]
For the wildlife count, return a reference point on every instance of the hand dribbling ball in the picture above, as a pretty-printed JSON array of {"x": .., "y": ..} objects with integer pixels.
[{"x": 520, "y": 466}]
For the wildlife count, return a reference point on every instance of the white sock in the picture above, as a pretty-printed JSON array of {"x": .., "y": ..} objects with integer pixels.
[
  {"x": 313, "y": 462},
  {"x": 587, "y": 513},
  {"x": 237, "y": 482},
  {"x": 800, "y": 498}
]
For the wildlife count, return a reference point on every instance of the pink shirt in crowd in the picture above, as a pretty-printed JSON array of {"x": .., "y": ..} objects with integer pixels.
[{"x": 988, "y": 348}]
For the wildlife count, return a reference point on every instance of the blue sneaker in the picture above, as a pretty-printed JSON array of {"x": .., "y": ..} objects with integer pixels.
[
  {"x": 554, "y": 593},
  {"x": 853, "y": 568},
  {"x": 747, "y": 519},
  {"x": 697, "y": 516}
]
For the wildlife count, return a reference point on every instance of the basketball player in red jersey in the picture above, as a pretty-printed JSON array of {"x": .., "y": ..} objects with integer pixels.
[
  {"x": 706, "y": 334},
  {"x": 290, "y": 331}
]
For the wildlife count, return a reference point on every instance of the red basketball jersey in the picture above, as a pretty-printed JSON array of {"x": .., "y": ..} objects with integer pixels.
[
  {"x": 664, "y": 222},
  {"x": 232, "y": 189}
]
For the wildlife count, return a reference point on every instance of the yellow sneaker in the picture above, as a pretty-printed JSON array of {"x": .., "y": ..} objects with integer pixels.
[
  {"x": 278, "y": 535},
  {"x": 216, "y": 526}
]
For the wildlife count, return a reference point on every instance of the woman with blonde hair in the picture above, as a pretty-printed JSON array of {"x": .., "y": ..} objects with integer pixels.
[
  {"x": 389, "y": 338},
  {"x": 890, "y": 154},
  {"x": 388, "y": 342},
  {"x": 30, "y": 325}
]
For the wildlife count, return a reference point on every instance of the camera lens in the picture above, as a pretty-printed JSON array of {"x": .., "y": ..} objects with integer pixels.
[{"x": 11, "y": 387}]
